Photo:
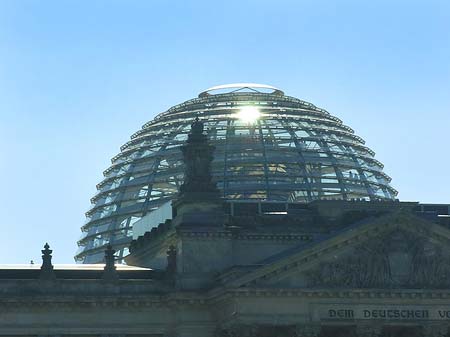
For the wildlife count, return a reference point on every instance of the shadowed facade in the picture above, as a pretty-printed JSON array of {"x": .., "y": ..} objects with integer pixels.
[{"x": 221, "y": 268}]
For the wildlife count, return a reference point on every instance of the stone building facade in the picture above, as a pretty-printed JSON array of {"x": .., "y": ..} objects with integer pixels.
[{"x": 222, "y": 269}]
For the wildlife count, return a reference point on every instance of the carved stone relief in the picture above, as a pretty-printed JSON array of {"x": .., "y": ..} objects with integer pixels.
[{"x": 399, "y": 259}]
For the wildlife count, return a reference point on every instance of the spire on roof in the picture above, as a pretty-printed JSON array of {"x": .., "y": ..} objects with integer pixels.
[
  {"x": 110, "y": 272},
  {"x": 47, "y": 272},
  {"x": 171, "y": 260},
  {"x": 198, "y": 155}
]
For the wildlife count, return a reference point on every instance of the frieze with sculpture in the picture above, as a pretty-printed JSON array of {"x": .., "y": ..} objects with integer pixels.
[{"x": 398, "y": 259}]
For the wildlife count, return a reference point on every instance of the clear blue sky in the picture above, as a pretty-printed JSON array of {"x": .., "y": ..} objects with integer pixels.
[{"x": 77, "y": 78}]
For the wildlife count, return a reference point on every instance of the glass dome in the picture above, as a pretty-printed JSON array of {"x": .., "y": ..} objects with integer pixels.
[{"x": 269, "y": 147}]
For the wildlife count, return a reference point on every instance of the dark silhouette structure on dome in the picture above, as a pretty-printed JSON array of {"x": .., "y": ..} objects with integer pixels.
[{"x": 197, "y": 157}]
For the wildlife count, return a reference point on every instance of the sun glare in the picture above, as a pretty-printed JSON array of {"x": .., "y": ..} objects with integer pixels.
[{"x": 248, "y": 114}]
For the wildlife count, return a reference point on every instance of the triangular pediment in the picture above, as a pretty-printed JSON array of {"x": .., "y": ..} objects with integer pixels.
[{"x": 399, "y": 250}]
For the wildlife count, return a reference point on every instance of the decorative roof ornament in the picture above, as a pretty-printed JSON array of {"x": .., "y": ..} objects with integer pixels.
[
  {"x": 196, "y": 134},
  {"x": 110, "y": 272},
  {"x": 47, "y": 272},
  {"x": 171, "y": 260},
  {"x": 197, "y": 157},
  {"x": 199, "y": 201}
]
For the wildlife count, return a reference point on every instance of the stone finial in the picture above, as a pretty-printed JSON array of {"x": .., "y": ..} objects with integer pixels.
[
  {"x": 171, "y": 260},
  {"x": 109, "y": 271},
  {"x": 47, "y": 272},
  {"x": 197, "y": 129},
  {"x": 197, "y": 157}
]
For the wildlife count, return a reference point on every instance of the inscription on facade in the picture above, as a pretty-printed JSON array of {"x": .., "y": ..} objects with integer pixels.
[
  {"x": 371, "y": 312},
  {"x": 444, "y": 313},
  {"x": 397, "y": 314},
  {"x": 341, "y": 313}
]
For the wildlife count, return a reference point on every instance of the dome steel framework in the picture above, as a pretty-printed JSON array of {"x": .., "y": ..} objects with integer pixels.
[{"x": 291, "y": 151}]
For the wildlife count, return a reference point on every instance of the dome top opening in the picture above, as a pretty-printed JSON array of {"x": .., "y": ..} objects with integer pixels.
[{"x": 241, "y": 88}]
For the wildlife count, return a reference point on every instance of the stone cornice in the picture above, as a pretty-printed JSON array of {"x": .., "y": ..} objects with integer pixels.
[
  {"x": 219, "y": 295},
  {"x": 81, "y": 301},
  {"x": 403, "y": 294},
  {"x": 159, "y": 232},
  {"x": 152, "y": 244},
  {"x": 119, "y": 301}
]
